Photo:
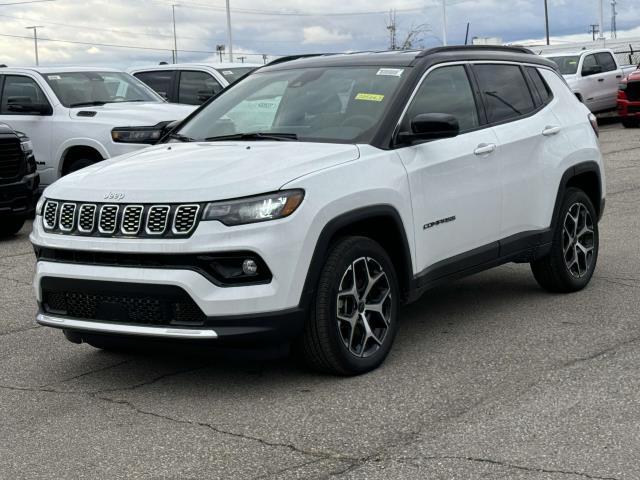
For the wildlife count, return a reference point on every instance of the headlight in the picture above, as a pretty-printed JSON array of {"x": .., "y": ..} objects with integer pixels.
[
  {"x": 148, "y": 135},
  {"x": 254, "y": 209},
  {"x": 40, "y": 204},
  {"x": 27, "y": 146}
]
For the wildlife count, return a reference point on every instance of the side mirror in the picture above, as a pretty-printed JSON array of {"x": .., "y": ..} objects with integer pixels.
[
  {"x": 592, "y": 70},
  {"x": 30, "y": 108},
  {"x": 431, "y": 126}
]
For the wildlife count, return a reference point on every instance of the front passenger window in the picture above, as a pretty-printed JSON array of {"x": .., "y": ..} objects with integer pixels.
[
  {"x": 197, "y": 87},
  {"x": 445, "y": 90},
  {"x": 22, "y": 95}
]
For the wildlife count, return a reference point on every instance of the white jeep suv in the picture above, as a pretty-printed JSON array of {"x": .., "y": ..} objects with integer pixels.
[
  {"x": 378, "y": 176},
  {"x": 77, "y": 116}
]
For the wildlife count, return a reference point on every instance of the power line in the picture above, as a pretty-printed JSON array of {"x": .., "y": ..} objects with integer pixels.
[{"x": 23, "y": 3}]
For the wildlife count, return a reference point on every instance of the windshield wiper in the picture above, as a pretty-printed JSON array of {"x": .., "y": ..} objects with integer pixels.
[
  {"x": 180, "y": 137},
  {"x": 279, "y": 137},
  {"x": 88, "y": 104}
]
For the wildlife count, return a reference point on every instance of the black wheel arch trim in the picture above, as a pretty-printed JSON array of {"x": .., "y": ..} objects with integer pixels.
[
  {"x": 571, "y": 172},
  {"x": 343, "y": 221}
]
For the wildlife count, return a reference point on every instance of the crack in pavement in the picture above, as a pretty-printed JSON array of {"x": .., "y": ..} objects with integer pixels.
[
  {"x": 505, "y": 465},
  {"x": 84, "y": 374}
]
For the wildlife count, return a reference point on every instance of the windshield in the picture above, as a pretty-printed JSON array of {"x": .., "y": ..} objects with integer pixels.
[
  {"x": 336, "y": 104},
  {"x": 234, "y": 74},
  {"x": 76, "y": 89},
  {"x": 568, "y": 65}
]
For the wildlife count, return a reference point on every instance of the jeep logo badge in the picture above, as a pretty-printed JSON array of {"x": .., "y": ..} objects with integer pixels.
[{"x": 114, "y": 196}]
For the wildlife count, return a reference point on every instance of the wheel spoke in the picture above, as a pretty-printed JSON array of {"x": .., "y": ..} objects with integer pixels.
[{"x": 578, "y": 240}]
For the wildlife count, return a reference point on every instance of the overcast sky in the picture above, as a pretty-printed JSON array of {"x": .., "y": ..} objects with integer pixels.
[{"x": 275, "y": 27}]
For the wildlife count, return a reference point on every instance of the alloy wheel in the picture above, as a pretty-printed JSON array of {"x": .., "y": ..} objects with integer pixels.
[
  {"x": 364, "y": 306},
  {"x": 578, "y": 240}
]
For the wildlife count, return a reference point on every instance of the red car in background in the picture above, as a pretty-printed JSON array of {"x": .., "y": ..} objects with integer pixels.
[{"x": 629, "y": 100}]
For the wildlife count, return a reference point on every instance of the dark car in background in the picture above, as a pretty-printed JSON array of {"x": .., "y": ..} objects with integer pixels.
[
  {"x": 19, "y": 180},
  {"x": 629, "y": 100}
]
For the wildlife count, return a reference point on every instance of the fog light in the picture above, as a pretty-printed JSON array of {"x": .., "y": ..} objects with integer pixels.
[{"x": 249, "y": 267}]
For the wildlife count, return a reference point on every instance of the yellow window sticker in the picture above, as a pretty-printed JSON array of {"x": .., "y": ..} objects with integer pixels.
[{"x": 370, "y": 97}]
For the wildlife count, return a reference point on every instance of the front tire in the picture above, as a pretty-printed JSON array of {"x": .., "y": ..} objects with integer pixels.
[
  {"x": 354, "y": 317},
  {"x": 571, "y": 262},
  {"x": 10, "y": 226}
]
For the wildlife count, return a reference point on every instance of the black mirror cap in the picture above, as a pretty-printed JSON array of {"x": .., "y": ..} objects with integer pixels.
[
  {"x": 431, "y": 126},
  {"x": 30, "y": 108}
]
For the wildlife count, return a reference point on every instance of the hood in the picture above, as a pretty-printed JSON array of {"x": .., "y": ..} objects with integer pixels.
[
  {"x": 127, "y": 114},
  {"x": 200, "y": 172},
  {"x": 634, "y": 76}
]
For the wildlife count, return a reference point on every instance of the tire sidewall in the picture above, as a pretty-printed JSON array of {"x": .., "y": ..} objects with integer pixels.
[
  {"x": 326, "y": 305},
  {"x": 572, "y": 196}
]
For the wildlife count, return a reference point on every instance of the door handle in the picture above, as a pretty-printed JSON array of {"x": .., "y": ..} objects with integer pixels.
[
  {"x": 485, "y": 149},
  {"x": 601, "y": 79},
  {"x": 618, "y": 76},
  {"x": 550, "y": 130}
]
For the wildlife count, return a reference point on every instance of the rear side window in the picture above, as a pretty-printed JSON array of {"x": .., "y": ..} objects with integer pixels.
[
  {"x": 160, "y": 81},
  {"x": 197, "y": 87},
  {"x": 540, "y": 86},
  {"x": 606, "y": 61},
  {"x": 445, "y": 90},
  {"x": 505, "y": 92}
]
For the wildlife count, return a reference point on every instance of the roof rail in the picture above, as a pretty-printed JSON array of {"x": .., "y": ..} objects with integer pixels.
[
  {"x": 290, "y": 58},
  {"x": 488, "y": 48}
]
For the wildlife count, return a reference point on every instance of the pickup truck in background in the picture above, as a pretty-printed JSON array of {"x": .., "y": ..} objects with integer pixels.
[
  {"x": 593, "y": 76},
  {"x": 629, "y": 100}
]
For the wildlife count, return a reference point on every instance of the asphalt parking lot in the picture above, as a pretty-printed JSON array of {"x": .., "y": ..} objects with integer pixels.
[{"x": 489, "y": 378}]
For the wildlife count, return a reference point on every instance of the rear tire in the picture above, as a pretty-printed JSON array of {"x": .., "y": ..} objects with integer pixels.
[
  {"x": 571, "y": 262},
  {"x": 354, "y": 317},
  {"x": 10, "y": 226},
  {"x": 630, "y": 123}
]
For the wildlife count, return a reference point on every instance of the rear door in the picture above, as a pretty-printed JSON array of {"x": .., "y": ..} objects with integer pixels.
[
  {"x": 19, "y": 92},
  {"x": 608, "y": 80},
  {"x": 516, "y": 99},
  {"x": 455, "y": 182}
]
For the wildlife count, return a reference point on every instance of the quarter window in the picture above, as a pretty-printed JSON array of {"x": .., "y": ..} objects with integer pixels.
[
  {"x": 445, "y": 90},
  {"x": 197, "y": 87},
  {"x": 20, "y": 91},
  {"x": 160, "y": 81},
  {"x": 504, "y": 91},
  {"x": 540, "y": 86}
]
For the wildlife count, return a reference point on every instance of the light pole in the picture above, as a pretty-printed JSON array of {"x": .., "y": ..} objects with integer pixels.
[
  {"x": 229, "y": 34},
  {"x": 601, "y": 36},
  {"x": 444, "y": 22},
  {"x": 35, "y": 40},
  {"x": 175, "y": 37},
  {"x": 546, "y": 20}
]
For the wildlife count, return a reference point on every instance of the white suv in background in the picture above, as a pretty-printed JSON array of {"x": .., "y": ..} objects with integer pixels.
[
  {"x": 79, "y": 116},
  {"x": 378, "y": 176},
  {"x": 191, "y": 83}
]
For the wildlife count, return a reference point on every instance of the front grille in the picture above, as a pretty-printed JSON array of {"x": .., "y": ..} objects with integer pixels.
[
  {"x": 117, "y": 220},
  {"x": 131, "y": 219},
  {"x": 633, "y": 108},
  {"x": 67, "y": 217},
  {"x": 185, "y": 218},
  {"x": 12, "y": 158},
  {"x": 121, "y": 303},
  {"x": 633, "y": 91}
]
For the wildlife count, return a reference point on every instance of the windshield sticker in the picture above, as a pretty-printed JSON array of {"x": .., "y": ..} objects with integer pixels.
[
  {"x": 370, "y": 97},
  {"x": 390, "y": 72},
  {"x": 53, "y": 77}
]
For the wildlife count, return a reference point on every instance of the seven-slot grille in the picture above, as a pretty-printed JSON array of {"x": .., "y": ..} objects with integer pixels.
[
  {"x": 114, "y": 220},
  {"x": 11, "y": 158}
]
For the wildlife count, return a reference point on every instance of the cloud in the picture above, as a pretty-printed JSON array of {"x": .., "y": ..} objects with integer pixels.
[
  {"x": 322, "y": 36},
  {"x": 93, "y": 50}
]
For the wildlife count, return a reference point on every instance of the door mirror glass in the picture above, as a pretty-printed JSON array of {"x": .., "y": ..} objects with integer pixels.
[
  {"x": 591, "y": 70},
  {"x": 432, "y": 126}
]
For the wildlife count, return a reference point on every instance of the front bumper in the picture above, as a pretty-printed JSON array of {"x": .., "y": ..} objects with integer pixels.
[
  {"x": 628, "y": 109},
  {"x": 19, "y": 198}
]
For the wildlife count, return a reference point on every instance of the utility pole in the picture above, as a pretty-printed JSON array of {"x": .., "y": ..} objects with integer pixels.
[
  {"x": 614, "y": 14},
  {"x": 35, "y": 40},
  {"x": 264, "y": 58},
  {"x": 466, "y": 35},
  {"x": 229, "y": 34},
  {"x": 601, "y": 36},
  {"x": 546, "y": 20},
  {"x": 392, "y": 30},
  {"x": 175, "y": 38},
  {"x": 444, "y": 22},
  {"x": 593, "y": 29},
  {"x": 241, "y": 59},
  {"x": 220, "y": 50}
]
